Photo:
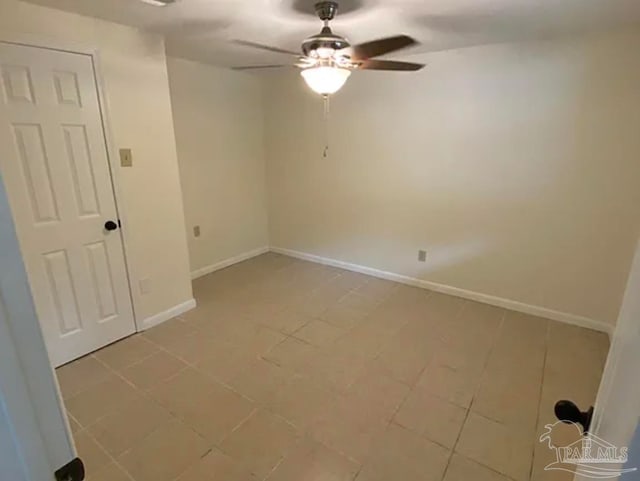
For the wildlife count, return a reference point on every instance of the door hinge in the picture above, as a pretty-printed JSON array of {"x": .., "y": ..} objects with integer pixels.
[{"x": 72, "y": 471}]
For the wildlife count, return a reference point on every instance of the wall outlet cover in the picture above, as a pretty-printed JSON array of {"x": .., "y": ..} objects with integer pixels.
[{"x": 422, "y": 256}]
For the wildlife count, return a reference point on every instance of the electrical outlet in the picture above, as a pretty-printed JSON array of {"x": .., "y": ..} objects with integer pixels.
[
  {"x": 196, "y": 231},
  {"x": 422, "y": 256},
  {"x": 145, "y": 285}
]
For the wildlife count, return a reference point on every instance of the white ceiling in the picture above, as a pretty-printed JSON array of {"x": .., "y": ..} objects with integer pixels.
[{"x": 201, "y": 29}]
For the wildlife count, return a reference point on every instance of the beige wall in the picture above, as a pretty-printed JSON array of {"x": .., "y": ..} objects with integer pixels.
[
  {"x": 515, "y": 166},
  {"x": 218, "y": 125},
  {"x": 134, "y": 73}
]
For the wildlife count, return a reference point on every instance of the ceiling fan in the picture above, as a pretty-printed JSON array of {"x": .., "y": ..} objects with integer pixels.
[{"x": 327, "y": 59}]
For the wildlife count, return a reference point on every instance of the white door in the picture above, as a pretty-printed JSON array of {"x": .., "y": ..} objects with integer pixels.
[
  {"x": 54, "y": 162},
  {"x": 35, "y": 440},
  {"x": 617, "y": 409}
]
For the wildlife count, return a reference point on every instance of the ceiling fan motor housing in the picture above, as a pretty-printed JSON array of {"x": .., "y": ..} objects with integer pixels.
[{"x": 326, "y": 39}]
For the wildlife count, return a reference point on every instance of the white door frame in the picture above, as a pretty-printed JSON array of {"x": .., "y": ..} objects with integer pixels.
[
  {"x": 112, "y": 151},
  {"x": 32, "y": 415}
]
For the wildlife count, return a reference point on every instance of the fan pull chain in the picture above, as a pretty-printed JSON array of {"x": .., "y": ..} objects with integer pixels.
[{"x": 325, "y": 99}]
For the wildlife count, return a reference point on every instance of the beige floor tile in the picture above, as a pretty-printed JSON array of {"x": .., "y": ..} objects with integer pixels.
[
  {"x": 210, "y": 408},
  {"x": 247, "y": 336},
  {"x": 126, "y": 352},
  {"x": 110, "y": 472},
  {"x": 102, "y": 398},
  {"x": 165, "y": 454},
  {"x": 336, "y": 370},
  {"x": 259, "y": 339},
  {"x": 312, "y": 461},
  {"x": 153, "y": 370},
  {"x": 350, "y": 280},
  {"x": 481, "y": 319},
  {"x": 359, "y": 302},
  {"x": 260, "y": 442},
  {"x": 443, "y": 307},
  {"x": 516, "y": 359},
  {"x": 470, "y": 359},
  {"x": 378, "y": 392},
  {"x": 260, "y": 380},
  {"x": 91, "y": 453},
  {"x": 300, "y": 400},
  {"x": 523, "y": 332},
  {"x": 454, "y": 384},
  {"x": 497, "y": 446},
  {"x": 343, "y": 316},
  {"x": 193, "y": 348},
  {"x": 319, "y": 333},
  {"x": 217, "y": 466},
  {"x": 80, "y": 374},
  {"x": 365, "y": 341},
  {"x": 433, "y": 417},
  {"x": 312, "y": 304},
  {"x": 572, "y": 342},
  {"x": 377, "y": 288},
  {"x": 403, "y": 454},
  {"x": 169, "y": 331},
  {"x": 463, "y": 469},
  {"x": 224, "y": 361},
  {"x": 124, "y": 428},
  {"x": 287, "y": 321},
  {"x": 293, "y": 354},
  {"x": 403, "y": 363},
  {"x": 346, "y": 426},
  {"x": 509, "y": 399}
]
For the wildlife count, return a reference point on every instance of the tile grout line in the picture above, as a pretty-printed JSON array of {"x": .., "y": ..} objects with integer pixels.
[
  {"x": 539, "y": 408},
  {"x": 477, "y": 388}
]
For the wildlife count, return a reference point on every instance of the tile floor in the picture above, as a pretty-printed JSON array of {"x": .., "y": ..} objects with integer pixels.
[{"x": 292, "y": 371}]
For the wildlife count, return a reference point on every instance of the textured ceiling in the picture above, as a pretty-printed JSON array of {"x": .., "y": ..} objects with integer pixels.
[{"x": 201, "y": 29}]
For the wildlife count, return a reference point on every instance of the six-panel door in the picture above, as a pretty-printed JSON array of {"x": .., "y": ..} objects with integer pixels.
[{"x": 54, "y": 162}]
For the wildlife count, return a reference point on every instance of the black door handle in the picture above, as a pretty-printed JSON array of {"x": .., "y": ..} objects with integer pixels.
[{"x": 110, "y": 225}]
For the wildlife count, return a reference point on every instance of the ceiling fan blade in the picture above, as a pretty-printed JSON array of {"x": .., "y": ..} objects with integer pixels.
[
  {"x": 389, "y": 65},
  {"x": 378, "y": 47},
  {"x": 256, "y": 67},
  {"x": 246, "y": 43}
]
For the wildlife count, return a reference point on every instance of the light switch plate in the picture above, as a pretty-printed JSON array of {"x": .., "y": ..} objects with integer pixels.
[
  {"x": 126, "y": 159},
  {"x": 196, "y": 231}
]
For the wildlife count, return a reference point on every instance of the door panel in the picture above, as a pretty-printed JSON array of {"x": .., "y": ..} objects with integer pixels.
[{"x": 54, "y": 160}]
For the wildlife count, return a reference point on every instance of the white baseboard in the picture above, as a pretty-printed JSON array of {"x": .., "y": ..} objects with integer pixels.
[
  {"x": 455, "y": 291},
  {"x": 170, "y": 313},
  {"x": 203, "y": 271}
]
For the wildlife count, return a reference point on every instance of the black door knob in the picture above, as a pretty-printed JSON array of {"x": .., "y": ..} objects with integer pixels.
[{"x": 110, "y": 225}]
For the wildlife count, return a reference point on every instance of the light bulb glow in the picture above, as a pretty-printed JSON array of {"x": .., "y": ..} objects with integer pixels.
[{"x": 325, "y": 80}]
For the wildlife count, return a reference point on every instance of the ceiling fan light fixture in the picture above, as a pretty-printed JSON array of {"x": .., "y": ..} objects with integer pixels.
[{"x": 324, "y": 79}]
